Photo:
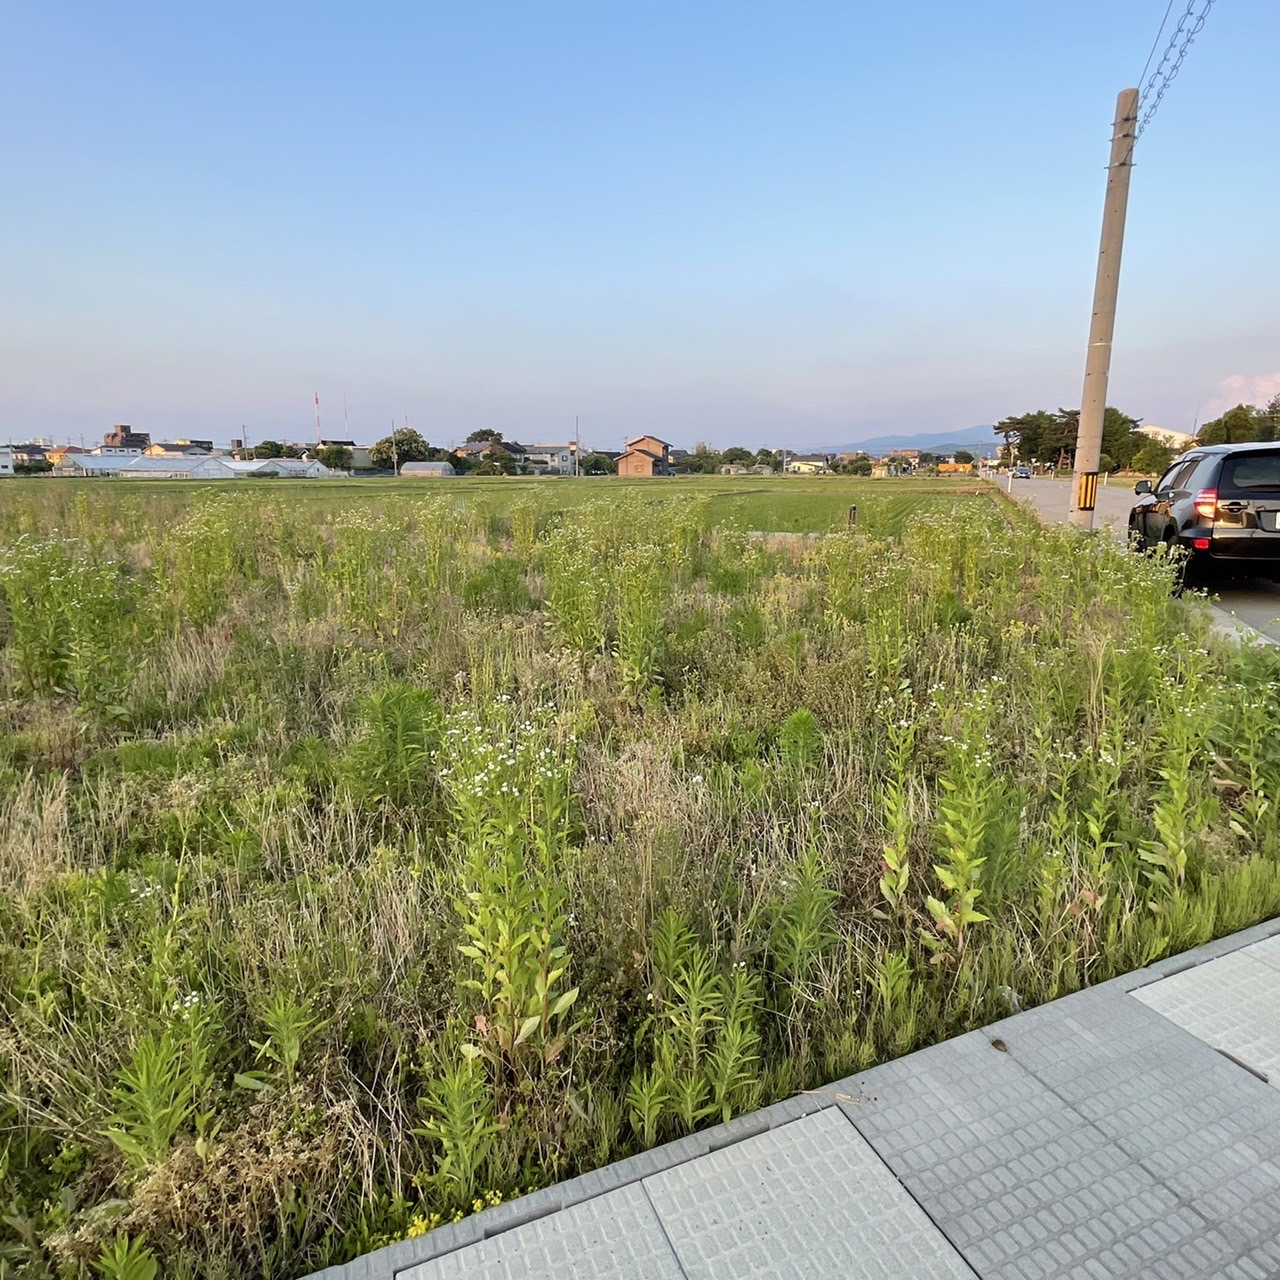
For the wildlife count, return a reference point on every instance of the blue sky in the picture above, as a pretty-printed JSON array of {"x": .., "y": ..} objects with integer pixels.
[{"x": 761, "y": 222}]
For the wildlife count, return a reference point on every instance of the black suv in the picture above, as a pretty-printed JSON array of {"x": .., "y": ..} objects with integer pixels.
[{"x": 1221, "y": 503}]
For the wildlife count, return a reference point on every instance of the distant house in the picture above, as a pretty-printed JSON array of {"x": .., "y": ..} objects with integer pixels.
[
  {"x": 477, "y": 448},
  {"x": 31, "y": 454},
  {"x": 6, "y": 460},
  {"x": 645, "y": 456},
  {"x": 427, "y": 470},
  {"x": 55, "y": 455},
  {"x": 360, "y": 460},
  {"x": 735, "y": 469},
  {"x": 808, "y": 463},
  {"x": 553, "y": 459},
  {"x": 179, "y": 449}
]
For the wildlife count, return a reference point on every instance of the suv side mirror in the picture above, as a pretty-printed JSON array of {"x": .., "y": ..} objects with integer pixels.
[{"x": 1143, "y": 486}]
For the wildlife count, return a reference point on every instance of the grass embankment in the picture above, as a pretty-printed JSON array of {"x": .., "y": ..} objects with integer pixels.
[{"x": 361, "y": 861}]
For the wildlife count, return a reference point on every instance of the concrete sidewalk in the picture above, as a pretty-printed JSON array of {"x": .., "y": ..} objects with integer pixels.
[{"x": 1131, "y": 1130}]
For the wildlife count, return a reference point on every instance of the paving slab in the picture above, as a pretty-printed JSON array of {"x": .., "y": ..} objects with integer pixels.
[
  {"x": 1021, "y": 1183},
  {"x": 616, "y": 1234},
  {"x": 1232, "y": 1003},
  {"x": 811, "y": 1199},
  {"x": 1268, "y": 951},
  {"x": 1088, "y": 1138}
]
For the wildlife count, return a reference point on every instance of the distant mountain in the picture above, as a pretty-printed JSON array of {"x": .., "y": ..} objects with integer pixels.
[{"x": 927, "y": 442}]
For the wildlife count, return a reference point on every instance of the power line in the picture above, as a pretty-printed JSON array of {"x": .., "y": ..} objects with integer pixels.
[
  {"x": 1163, "y": 22},
  {"x": 1189, "y": 26}
]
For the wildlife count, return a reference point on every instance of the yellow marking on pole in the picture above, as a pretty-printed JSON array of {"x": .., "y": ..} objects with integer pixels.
[{"x": 1088, "y": 491}]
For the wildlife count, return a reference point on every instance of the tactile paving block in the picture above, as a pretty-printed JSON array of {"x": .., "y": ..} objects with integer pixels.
[
  {"x": 614, "y": 1235},
  {"x": 1098, "y": 1140},
  {"x": 809, "y": 1199},
  {"x": 1232, "y": 1003}
]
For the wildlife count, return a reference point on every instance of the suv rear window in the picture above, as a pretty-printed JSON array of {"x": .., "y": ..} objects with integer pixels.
[{"x": 1246, "y": 473}]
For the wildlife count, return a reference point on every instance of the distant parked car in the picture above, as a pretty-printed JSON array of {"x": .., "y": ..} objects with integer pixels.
[
  {"x": 1221, "y": 504},
  {"x": 1022, "y": 473}
]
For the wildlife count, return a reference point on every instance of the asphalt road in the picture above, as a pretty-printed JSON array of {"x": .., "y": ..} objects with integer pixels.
[{"x": 1257, "y": 604}]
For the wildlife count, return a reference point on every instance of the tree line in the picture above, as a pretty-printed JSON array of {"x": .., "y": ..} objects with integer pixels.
[{"x": 1049, "y": 438}]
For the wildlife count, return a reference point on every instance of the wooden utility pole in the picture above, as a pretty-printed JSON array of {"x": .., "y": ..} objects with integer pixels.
[{"x": 1093, "y": 401}]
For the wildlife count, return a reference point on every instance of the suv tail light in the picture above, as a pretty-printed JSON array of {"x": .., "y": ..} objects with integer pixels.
[{"x": 1207, "y": 503}]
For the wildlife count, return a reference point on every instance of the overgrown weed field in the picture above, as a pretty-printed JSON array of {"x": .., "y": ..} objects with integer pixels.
[{"x": 369, "y": 854}]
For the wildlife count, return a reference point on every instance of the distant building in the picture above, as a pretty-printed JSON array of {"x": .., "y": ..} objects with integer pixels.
[
  {"x": 808, "y": 463},
  {"x": 185, "y": 467},
  {"x": 188, "y": 467},
  {"x": 179, "y": 449},
  {"x": 555, "y": 459},
  {"x": 124, "y": 439},
  {"x": 645, "y": 456},
  {"x": 55, "y": 455},
  {"x": 279, "y": 468},
  {"x": 6, "y": 460},
  {"x": 478, "y": 448},
  {"x": 84, "y": 465},
  {"x": 1163, "y": 435},
  {"x": 427, "y": 470},
  {"x": 31, "y": 453}
]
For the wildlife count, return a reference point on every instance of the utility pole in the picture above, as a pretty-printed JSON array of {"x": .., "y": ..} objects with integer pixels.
[
  {"x": 395, "y": 450},
  {"x": 577, "y": 447},
  {"x": 1093, "y": 401}
]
